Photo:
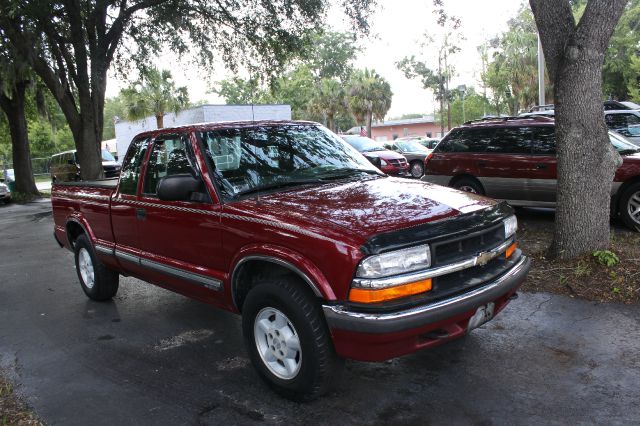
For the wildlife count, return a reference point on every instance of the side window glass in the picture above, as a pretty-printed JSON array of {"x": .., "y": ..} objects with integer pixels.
[
  {"x": 170, "y": 156},
  {"x": 625, "y": 124},
  {"x": 464, "y": 140},
  {"x": 543, "y": 140},
  {"x": 514, "y": 140},
  {"x": 131, "y": 165}
]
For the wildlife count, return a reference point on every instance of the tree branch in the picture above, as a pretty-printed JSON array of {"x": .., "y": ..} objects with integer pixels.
[
  {"x": 599, "y": 21},
  {"x": 554, "y": 19}
]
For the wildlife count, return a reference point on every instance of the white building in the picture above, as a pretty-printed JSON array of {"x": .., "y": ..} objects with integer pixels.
[{"x": 126, "y": 130}]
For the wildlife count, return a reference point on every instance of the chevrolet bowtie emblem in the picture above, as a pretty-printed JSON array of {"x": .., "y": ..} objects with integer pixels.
[{"x": 484, "y": 258}]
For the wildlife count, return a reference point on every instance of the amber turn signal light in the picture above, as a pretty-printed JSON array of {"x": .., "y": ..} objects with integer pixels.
[
  {"x": 510, "y": 250},
  {"x": 365, "y": 295}
]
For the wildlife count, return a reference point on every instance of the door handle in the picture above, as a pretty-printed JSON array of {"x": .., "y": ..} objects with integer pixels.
[
  {"x": 141, "y": 214},
  {"x": 541, "y": 166}
]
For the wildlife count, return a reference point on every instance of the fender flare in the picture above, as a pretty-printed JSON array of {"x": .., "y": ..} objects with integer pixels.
[{"x": 295, "y": 262}]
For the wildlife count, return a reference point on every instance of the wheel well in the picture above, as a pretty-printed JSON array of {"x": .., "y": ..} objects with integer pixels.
[
  {"x": 74, "y": 230},
  {"x": 623, "y": 187},
  {"x": 464, "y": 176},
  {"x": 250, "y": 273}
]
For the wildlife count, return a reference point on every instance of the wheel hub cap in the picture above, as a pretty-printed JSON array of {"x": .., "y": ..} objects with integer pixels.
[
  {"x": 86, "y": 268},
  {"x": 634, "y": 207},
  {"x": 278, "y": 343}
]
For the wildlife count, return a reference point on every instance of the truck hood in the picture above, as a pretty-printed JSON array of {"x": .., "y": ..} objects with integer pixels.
[{"x": 365, "y": 207}]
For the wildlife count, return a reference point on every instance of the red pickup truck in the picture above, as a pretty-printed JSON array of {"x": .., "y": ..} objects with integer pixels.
[{"x": 324, "y": 256}]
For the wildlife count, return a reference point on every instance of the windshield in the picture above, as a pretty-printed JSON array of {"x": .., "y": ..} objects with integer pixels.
[
  {"x": 621, "y": 144},
  {"x": 411, "y": 146},
  {"x": 106, "y": 156},
  {"x": 245, "y": 160},
  {"x": 363, "y": 144}
]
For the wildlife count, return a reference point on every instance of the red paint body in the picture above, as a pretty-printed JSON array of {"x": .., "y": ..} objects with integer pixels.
[{"x": 319, "y": 231}]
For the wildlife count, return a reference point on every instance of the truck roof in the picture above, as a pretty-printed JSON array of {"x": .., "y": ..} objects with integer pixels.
[{"x": 224, "y": 125}]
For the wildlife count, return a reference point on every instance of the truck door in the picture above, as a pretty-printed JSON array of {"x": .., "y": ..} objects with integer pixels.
[
  {"x": 180, "y": 241},
  {"x": 123, "y": 207}
]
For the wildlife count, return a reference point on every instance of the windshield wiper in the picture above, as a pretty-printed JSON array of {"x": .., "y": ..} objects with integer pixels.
[
  {"x": 347, "y": 172},
  {"x": 276, "y": 185}
]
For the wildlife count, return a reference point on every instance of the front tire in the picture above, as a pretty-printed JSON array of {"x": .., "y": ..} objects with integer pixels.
[
  {"x": 287, "y": 339},
  {"x": 630, "y": 207},
  {"x": 417, "y": 169},
  {"x": 97, "y": 281}
]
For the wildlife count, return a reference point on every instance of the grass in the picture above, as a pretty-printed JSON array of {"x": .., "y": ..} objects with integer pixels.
[
  {"x": 13, "y": 411},
  {"x": 605, "y": 276}
]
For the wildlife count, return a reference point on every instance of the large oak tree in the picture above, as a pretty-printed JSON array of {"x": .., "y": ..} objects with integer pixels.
[
  {"x": 71, "y": 44},
  {"x": 574, "y": 54}
]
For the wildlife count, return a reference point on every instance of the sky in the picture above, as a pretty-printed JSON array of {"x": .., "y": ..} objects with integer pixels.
[{"x": 397, "y": 30}]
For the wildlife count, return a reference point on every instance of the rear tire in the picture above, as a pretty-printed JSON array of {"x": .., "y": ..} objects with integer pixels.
[
  {"x": 468, "y": 184},
  {"x": 630, "y": 207},
  {"x": 287, "y": 339},
  {"x": 97, "y": 281}
]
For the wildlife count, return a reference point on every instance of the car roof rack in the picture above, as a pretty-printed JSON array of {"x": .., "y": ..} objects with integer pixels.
[{"x": 511, "y": 118}]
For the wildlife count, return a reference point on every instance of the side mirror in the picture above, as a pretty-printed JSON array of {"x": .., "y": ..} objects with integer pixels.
[{"x": 179, "y": 188}]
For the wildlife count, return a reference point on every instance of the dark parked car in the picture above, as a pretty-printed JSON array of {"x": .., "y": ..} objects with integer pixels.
[
  {"x": 64, "y": 167},
  {"x": 515, "y": 160},
  {"x": 413, "y": 151},
  {"x": 388, "y": 161}
]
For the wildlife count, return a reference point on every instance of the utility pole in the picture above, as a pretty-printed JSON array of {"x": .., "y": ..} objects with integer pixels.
[{"x": 541, "y": 99}]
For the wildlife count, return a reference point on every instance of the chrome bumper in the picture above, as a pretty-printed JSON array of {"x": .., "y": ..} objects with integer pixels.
[{"x": 339, "y": 317}]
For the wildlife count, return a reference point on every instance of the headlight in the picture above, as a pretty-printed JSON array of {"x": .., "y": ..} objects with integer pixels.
[
  {"x": 510, "y": 226},
  {"x": 395, "y": 262},
  {"x": 382, "y": 162}
]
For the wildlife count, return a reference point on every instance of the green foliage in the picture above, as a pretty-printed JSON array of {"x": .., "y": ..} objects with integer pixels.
[
  {"x": 329, "y": 100},
  {"x": 512, "y": 73},
  {"x": 475, "y": 106},
  {"x": 369, "y": 96},
  {"x": 114, "y": 108},
  {"x": 621, "y": 70},
  {"x": 155, "y": 94},
  {"x": 606, "y": 257},
  {"x": 330, "y": 54},
  {"x": 237, "y": 91},
  {"x": 41, "y": 139},
  {"x": 633, "y": 85}
]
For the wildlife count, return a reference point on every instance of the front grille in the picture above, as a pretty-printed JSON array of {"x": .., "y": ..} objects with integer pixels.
[
  {"x": 398, "y": 163},
  {"x": 450, "y": 251}
]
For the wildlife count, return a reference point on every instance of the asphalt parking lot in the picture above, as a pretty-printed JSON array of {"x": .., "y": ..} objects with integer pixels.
[{"x": 154, "y": 357}]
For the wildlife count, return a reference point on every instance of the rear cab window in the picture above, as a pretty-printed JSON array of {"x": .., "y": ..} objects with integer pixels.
[{"x": 131, "y": 166}]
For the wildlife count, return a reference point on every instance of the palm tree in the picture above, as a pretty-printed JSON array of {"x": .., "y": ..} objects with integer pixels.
[
  {"x": 155, "y": 94},
  {"x": 369, "y": 97},
  {"x": 328, "y": 100}
]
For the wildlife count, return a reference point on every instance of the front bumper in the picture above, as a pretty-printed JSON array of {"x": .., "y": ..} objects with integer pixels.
[{"x": 379, "y": 336}]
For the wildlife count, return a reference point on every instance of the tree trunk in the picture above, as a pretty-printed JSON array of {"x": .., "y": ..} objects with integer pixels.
[
  {"x": 160, "y": 121},
  {"x": 369, "y": 120},
  {"x": 14, "y": 109},
  {"x": 331, "y": 122},
  {"x": 586, "y": 160}
]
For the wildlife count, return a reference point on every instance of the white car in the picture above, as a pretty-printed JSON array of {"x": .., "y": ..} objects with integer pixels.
[
  {"x": 626, "y": 122},
  {"x": 5, "y": 194}
]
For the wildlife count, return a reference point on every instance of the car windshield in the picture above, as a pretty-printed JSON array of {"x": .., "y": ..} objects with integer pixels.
[
  {"x": 247, "y": 160},
  {"x": 106, "y": 156},
  {"x": 363, "y": 144},
  {"x": 621, "y": 144},
  {"x": 411, "y": 146}
]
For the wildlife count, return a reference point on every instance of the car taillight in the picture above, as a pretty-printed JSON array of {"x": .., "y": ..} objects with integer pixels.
[{"x": 427, "y": 158}]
